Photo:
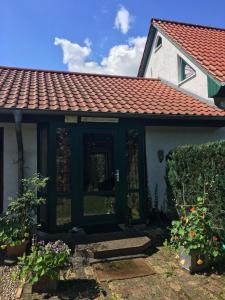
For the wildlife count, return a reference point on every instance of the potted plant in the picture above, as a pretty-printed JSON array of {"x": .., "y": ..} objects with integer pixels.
[
  {"x": 19, "y": 220},
  {"x": 42, "y": 266},
  {"x": 193, "y": 237},
  {"x": 14, "y": 239}
]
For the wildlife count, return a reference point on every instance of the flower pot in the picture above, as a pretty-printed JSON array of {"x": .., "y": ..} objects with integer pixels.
[
  {"x": 45, "y": 285},
  {"x": 18, "y": 250},
  {"x": 194, "y": 261}
]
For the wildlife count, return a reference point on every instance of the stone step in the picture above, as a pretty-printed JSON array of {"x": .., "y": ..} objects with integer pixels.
[
  {"x": 116, "y": 247},
  {"x": 93, "y": 261}
]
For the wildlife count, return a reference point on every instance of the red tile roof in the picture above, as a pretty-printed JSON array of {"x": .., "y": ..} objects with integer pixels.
[
  {"x": 67, "y": 91},
  {"x": 205, "y": 44}
]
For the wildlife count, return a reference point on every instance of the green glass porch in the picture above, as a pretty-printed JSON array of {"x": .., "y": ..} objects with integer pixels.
[{"x": 96, "y": 171}]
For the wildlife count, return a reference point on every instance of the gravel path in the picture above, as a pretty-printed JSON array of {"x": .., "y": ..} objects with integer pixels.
[{"x": 8, "y": 286}]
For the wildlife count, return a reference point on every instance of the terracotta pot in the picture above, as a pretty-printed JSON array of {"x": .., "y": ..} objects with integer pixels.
[
  {"x": 189, "y": 261},
  {"x": 15, "y": 251},
  {"x": 45, "y": 284}
]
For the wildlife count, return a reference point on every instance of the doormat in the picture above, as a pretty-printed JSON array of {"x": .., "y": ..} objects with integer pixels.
[
  {"x": 101, "y": 228},
  {"x": 123, "y": 269}
]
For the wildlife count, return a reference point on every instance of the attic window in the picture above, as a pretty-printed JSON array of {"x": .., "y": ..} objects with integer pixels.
[
  {"x": 185, "y": 70},
  {"x": 158, "y": 42}
]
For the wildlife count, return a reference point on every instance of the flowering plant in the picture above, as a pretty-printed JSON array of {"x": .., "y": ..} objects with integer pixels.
[
  {"x": 194, "y": 231},
  {"x": 44, "y": 260}
]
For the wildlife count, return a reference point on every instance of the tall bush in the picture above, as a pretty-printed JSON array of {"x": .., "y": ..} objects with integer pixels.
[{"x": 194, "y": 170}]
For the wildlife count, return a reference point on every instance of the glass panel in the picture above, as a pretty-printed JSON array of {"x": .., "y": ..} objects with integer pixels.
[
  {"x": 43, "y": 159},
  {"x": 132, "y": 157},
  {"x": 98, "y": 205},
  {"x": 186, "y": 70},
  {"x": 98, "y": 158},
  {"x": 43, "y": 151},
  {"x": 63, "y": 175},
  {"x": 63, "y": 160},
  {"x": 63, "y": 211},
  {"x": 1, "y": 170},
  {"x": 133, "y": 204}
]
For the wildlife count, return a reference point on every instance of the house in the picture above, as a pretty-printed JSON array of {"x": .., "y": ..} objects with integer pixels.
[{"x": 102, "y": 140}]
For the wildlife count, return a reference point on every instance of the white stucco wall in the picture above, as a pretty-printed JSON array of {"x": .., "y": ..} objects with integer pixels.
[
  {"x": 163, "y": 63},
  {"x": 166, "y": 139},
  {"x": 10, "y": 169}
]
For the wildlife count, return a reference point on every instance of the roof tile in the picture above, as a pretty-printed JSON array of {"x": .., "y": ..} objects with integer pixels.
[
  {"x": 67, "y": 91},
  {"x": 205, "y": 44}
]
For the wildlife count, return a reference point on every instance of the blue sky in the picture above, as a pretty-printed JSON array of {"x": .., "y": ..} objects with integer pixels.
[{"x": 86, "y": 31}]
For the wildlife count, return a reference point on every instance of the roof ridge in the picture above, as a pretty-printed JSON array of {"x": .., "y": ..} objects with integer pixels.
[
  {"x": 186, "y": 23},
  {"x": 76, "y": 73}
]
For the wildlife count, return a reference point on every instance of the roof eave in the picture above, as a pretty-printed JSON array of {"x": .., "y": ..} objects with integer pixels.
[{"x": 115, "y": 114}]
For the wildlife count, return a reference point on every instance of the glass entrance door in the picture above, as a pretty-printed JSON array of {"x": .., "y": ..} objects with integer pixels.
[
  {"x": 96, "y": 175},
  {"x": 100, "y": 175}
]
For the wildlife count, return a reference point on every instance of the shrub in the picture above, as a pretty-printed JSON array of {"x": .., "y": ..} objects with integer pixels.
[
  {"x": 19, "y": 219},
  {"x": 197, "y": 170}
]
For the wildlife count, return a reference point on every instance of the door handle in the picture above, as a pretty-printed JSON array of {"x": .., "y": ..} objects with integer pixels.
[{"x": 117, "y": 175}]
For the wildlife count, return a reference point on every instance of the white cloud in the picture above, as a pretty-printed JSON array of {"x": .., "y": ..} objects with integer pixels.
[
  {"x": 121, "y": 59},
  {"x": 123, "y": 20}
]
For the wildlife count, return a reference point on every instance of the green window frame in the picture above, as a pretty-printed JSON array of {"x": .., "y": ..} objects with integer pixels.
[{"x": 185, "y": 71}]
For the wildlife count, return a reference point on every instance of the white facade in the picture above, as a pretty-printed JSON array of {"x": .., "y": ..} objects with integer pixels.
[
  {"x": 10, "y": 168},
  {"x": 163, "y": 63},
  {"x": 166, "y": 139}
]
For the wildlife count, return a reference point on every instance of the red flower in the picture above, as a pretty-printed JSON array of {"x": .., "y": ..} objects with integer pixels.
[{"x": 216, "y": 238}]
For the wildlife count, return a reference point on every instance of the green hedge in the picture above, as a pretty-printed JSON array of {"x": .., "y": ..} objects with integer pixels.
[{"x": 195, "y": 169}]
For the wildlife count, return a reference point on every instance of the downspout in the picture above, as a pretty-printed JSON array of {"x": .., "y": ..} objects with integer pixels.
[{"x": 19, "y": 138}]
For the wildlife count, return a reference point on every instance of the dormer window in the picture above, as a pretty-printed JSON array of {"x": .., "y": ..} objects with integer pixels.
[
  {"x": 158, "y": 42},
  {"x": 185, "y": 70}
]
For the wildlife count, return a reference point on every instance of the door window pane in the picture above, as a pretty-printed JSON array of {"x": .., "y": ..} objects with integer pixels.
[
  {"x": 63, "y": 176},
  {"x": 98, "y": 163},
  {"x": 98, "y": 205},
  {"x": 99, "y": 180}
]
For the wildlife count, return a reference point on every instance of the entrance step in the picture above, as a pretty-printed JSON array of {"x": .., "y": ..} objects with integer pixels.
[
  {"x": 115, "y": 248},
  {"x": 116, "y": 258}
]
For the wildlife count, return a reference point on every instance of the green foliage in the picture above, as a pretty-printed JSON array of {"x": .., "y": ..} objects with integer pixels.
[
  {"x": 20, "y": 216},
  {"x": 12, "y": 234},
  {"x": 44, "y": 260},
  {"x": 193, "y": 231},
  {"x": 196, "y": 170}
]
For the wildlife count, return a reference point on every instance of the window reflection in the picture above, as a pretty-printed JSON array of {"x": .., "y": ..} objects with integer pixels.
[
  {"x": 63, "y": 176},
  {"x": 132, "y": 155},
  {"x": 133, "y": 200}
]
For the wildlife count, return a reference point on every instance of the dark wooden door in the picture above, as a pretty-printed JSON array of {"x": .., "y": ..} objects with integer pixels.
[{"x": 1, "y": 170}]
